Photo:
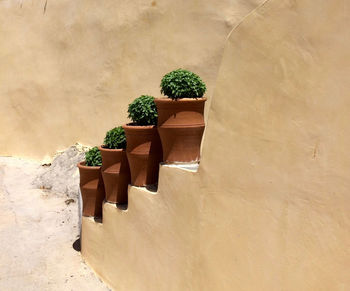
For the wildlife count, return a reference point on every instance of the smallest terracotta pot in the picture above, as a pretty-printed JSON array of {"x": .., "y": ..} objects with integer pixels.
[
  {"x": 115, "y": 174},
  {"x": 92, "y": 189}
]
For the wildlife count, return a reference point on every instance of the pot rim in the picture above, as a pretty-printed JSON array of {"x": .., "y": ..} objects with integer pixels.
[
  {"x": 182, "y": 100},
  {"x": 138, "y": 127},
  {"x": 81, "y": 165},
  {"x": 101, "y": 148}
]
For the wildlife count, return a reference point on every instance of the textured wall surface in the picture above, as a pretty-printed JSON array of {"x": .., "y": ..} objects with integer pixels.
[
  {"x": 69, "y": 68},
  {"x": 276, "y": 204},
  {"x": 269, "y": 208}
]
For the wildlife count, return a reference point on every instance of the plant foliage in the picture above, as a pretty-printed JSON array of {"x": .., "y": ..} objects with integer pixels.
[
  {"x": 115, "y": 138},
  {"x": 143, "y": 111},
  {"x": 93, "y": 157},
  {"x": 182, "y": 84}
]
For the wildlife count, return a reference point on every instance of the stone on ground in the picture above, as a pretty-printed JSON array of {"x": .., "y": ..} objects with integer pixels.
[{"x": 62, "y": 176}]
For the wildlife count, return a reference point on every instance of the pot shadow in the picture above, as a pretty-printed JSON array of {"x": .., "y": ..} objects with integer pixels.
[
  {"x": 152, "y": 188},
  {"x": 77, "y": 245},
  {"x": 122, "y": 206},
  {"x": 98, "y": 219}
]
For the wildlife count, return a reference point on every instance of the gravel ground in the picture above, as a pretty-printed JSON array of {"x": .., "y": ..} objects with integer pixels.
[{"x": 37, "y": 230}]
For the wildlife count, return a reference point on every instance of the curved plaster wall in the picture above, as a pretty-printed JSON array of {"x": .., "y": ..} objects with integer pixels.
[
  {"x": 269, "y": 208},
  {"x": 69, "y": 68}
]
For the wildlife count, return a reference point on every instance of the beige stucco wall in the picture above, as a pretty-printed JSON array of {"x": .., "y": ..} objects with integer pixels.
[
  {"x": 70, "y": 68},
  {"x": 269, "y": 208}
]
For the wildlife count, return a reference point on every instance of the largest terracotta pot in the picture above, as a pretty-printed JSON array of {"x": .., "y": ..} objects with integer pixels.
[
  {"x": 115, "y": 174},
  {"x": 92, "y": 190},
  {"x": 181, "y": 126},
  {"x": 144, "y": 152}
]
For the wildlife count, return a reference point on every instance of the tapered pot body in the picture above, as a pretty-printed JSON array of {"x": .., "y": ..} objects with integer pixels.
[
  {"x": 115, "y": 174},
  {"x": 92, "y": 190},
  {"x": 181, "y": 126},
  {"x": 144, "y": 152}
]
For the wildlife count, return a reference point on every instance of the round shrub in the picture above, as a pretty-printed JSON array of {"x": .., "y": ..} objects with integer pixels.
[
  {"x": 143, "y": 111},
  {"x": 93, "y": 157},
  {"x": 115, "y": 138},
  {"x": 182, "y": 84}
]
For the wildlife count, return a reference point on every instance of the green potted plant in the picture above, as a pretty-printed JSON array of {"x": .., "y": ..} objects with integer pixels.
[
  {"x": 115, "y": 166},
  {"x": 91, "y": 184},
  {"x": 143, "y": 148},
  {"x": 181, "y": 116}
]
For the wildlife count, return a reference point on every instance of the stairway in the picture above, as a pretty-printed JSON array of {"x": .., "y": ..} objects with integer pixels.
[{"x": 144, "y": 237}]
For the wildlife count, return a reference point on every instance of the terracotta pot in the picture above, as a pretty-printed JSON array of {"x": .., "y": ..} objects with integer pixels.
[
  {"x": 181, "y": 126},
  {"x": 144, "y": 152},
  {"x": 115, "y": 174},
  {"x": 92, "y": 190}
]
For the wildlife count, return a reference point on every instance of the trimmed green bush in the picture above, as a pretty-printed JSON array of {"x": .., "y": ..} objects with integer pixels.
[
  {"x": 115, "y": 138},
  {"x": 182, "y": 84},
  {"x": 143, "y": 111},
  {"x": 93, "y": 157}
]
